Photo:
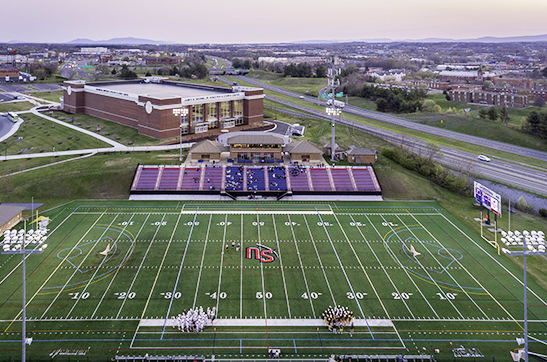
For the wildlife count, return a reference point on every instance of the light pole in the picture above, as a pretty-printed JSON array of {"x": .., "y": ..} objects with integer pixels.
[
  {"x": 182, "y": 113},
  {"x": 332, "y": 109},
  {"x": 536, "y": 247},
  {"x": 333, "y": 112}
]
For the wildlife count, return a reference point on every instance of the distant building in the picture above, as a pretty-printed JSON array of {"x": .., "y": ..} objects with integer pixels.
[
  {"x": 523, "y": 83},
  {"x": 431, "y": 84},
  {"x": 303, "y": 151},
  {"x": 10, "y": 215},
  {"x": 162, "y": 60},
  {"x": 465, "y": 76},
  {"x": 105, "y": 58},
  {"x": 361, "y": 155},
  {"x": 9, "y": 74},
  {"x": 93, "y": 51},
  {"x": 500, "y": 99}
]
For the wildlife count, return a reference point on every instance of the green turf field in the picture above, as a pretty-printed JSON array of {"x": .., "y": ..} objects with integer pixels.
[{"x": 167, "y": 257}]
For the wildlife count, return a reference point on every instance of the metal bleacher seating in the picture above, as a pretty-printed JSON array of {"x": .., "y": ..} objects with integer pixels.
[
  {"x": 190, "y": 178},
  {"x": 169, "y": 178},
  {"x": 213, "y": 177},
  {"x": 234, "y": 178},
  {"x": 299, "y": 179},
  {"x": 342, "y": 179},
  {"x": 147, "y": 179},
  {"x": 255, "y": 179},
  {"x": 320, "y": 179},
  {"x": 277, "y": 178},
  {"x": 363, "y": 179}
]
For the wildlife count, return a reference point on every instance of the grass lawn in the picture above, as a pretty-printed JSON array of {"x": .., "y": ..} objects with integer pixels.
[
  {"x": 264, "y": 75},
  {"x": 123, "y": 134},
  {"x": 7, "y": 167},
  {"x": 307, "y": 86},
  {"x": 15, "y": 106},
  {"x": 50, "y": 96},
  {"x": 362, "y": 102},
  {"x": 40, "y": 135}
]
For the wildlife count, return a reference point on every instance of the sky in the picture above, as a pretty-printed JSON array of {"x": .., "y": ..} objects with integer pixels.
[{"x": 262, "y": 21}]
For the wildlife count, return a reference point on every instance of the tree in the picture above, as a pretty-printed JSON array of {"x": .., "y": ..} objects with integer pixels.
[
  {"x": 236, "y": 63},
  {"x": 127, "y": 73},
  {"x": 504, "y": 115},
  {"x": 382, "y": 105},
  {"x": 539, "y": 102},
  {"x": 433, "y": 150},
  {"x": 487, "y": 85},
  {"x": 446, "y": 95},
  {"x": 114, "y": 71},
  {"x": 148, "y": 74},
  {"x": 321, "y": 71},
  {"x": 492, "y": 114},
  {"x": 544, "y": 72},
  {"x": 536, "y": 124},
  {"x": 483, "y": 113}
]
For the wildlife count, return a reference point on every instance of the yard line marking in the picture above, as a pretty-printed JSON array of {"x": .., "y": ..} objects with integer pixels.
[
  {"x": 154, "y": 285},
  {"x": 142, "y": 262},
  {"x": 320, "y": 262},
  {"x": 99, "y": 267},
  {"x": 37, "y": 246},
  {"x": 491, "y": 257},
  {"x": 241, "y": 274},
  {"x": 370, "y": 281},
  {"x": 387, "y": 274},
  {"x": 467, "y": 271},
  {"x": 263, "y": 290},
  {"x": 301, "y": 266},
  {"x": 202, "y": 258},
  {"x": 117, "y": 271},
  {"x": 438, "y": 262},
  {"x": 79, "y": 265},
  {"x": 180, "y": 268},
  {"x": 281, "y": 264},
  {"x": 221, "y": 262},
  {"x": 342, "y": 267}
]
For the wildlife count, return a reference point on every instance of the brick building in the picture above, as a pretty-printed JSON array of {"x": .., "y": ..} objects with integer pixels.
[
  {"x": 523, "y": 83},
  {"x": 500, "y": 99},
  {"x": 8, "y": 74},
  {"x": 156, "y": 107},
  {"x": 162, "y": 60}
]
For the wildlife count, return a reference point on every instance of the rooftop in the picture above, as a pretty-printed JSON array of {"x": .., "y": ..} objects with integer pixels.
[{"x": 159, "y": 90}]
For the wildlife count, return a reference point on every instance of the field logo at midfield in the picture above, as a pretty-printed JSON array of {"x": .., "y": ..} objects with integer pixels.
[{"x": 260, "y": 252}]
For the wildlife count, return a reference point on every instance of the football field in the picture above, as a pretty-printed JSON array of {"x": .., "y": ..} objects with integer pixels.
[{"x": 114, "y": 274}]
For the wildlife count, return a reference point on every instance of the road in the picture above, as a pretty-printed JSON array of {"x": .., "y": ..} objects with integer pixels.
[
  {"x": 505, "y": 172},
  {"x": 410, "y": 124}
]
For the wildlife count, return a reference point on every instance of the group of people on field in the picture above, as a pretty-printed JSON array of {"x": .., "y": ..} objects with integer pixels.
[
  {"x": 338, "y": 317},
  {"x": 195, "y": 320}
]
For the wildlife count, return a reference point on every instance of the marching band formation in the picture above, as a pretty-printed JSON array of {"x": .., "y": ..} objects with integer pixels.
[{"x": 195, "y": 320}]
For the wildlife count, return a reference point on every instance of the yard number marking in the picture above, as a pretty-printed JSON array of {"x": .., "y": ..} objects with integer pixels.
[
  {"x": 79, "y": 295},
  {"x": 168, "y": 295},
  {"x": 313, "y": 295},
  {"x": 124, "y": 295},
  {"x": 356, "y": 223},
  {"x": 357, "y": 295},
  {"x": 159, "y": 223},
  {"x": 446, "y": 296},
  {"x": 221, "y": 295},
  {"x": 268, "y": 295},
  {"x": 401, "y": 295}
]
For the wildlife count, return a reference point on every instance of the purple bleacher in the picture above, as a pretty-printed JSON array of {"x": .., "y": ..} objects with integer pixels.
[
  {"x": 190, "y": 178},
  {"x": 255, "y": 179},
  {"x": 342, "y": 180},
  {"x": 147, "y": 178},
  {"x": 213, "y": 177},
  {"x": 276, "y": 175},
  {"x": 363, "y": 179},
  {"x": 169, "y": 178},
  {"x": 234, "y": 178},
  {"x": 299, "y": 179},
  {"x": 320, "y": 179}
]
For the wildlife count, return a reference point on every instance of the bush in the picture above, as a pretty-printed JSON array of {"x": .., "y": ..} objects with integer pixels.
[{"x": 543, "y": 212}]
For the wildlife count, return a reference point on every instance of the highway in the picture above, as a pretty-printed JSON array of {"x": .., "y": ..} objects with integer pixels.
[
  {"x": 504, "y": 172},
  {"x": 410, "y": 124}
]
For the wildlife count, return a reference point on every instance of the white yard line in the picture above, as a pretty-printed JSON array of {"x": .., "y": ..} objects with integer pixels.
[
  {"x": 320, "y": 262},
  {"x": 37, "y": 246},
  {"x": 81, "y": 263},
  {"x": 142, "y": 262},
  {"x": 491, "y": 257},
  {"x": 117, "y": 271},
  {"x": 262, "y": 272},
  {"x": 302, "y": 267},
  {"x": 467, "y": 271},
  {"x": 202, "y": 258},
  {"x": 221, "y": 263},
  {"x": 241, "y": 273},
  {"x": 442, "y": 266},
  {"x": 281, "y": 264},
  {"x": 98, "y": 268},
  {"x": 385, "y": 271}
]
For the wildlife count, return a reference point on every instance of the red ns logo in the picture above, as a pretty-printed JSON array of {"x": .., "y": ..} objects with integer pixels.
[{"x": 260, "y": 252}]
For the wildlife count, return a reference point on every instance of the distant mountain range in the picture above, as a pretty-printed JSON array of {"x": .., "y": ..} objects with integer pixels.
[
  {"x": 119, "y": 41},
  {"x": 485, "y": 39}
]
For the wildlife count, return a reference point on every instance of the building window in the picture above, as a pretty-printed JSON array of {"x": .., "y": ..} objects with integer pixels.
[
  {"x": 197, "y": 113},
  {"x": 212, "y": 112},
  {"x": 201, "y": 129},
  {"x": 238, "y": 108},
  {"x": 239, "y": 121},
  {"x": 228, "y": 124},
  {"x": 225, "y": 110}
]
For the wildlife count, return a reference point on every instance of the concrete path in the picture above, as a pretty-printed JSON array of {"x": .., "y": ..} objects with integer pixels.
[{"x": 49, "y": 164}]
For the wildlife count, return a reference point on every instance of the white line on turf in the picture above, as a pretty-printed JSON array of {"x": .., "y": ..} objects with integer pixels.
[
  {"x": 117, "y": 271},
  {"x": 37, "y": 246},
  {"x": 301, "y": 266},
  {"x": 494, "y": 259},
  {"x": 99, "y": 267},
  {"x": 467, "y": 271},
  {"x": 81, "y": 263},
  {"x": 142, "y": 262},
  {"x": 262, "y": 273},
  {"x": 281, "y": 264},
  {"x": 438, "y": 262},
  {"x": 241, "y": 274},
  {"x": 202, "y": 258},
  {"x": 221, "y": 262},
  {"x": 320, "y": 262}
]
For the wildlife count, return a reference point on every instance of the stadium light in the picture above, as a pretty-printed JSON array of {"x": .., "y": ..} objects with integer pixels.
[
  {"x": 332, "y": 110},
  {"x": 533, "y": 243},
  {"x": 182, "y": 113}
]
